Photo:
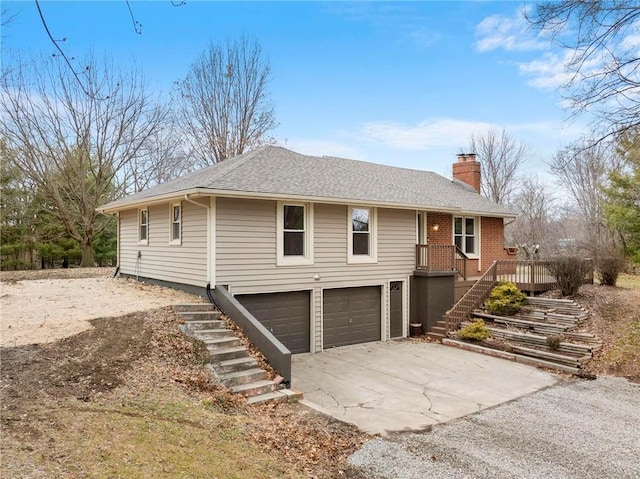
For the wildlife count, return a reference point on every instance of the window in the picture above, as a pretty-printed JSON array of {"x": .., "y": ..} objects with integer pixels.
[
  {"x": 362, "y": 246},
  {"x": 295, "y": 234},
  {"x": 143, "y": 226},
  {"x": 176, "y": 224},
  {"x": 464, "y": 235},
  {"x": 293, "y": 230},
  {"x": 360, "y": 230}
]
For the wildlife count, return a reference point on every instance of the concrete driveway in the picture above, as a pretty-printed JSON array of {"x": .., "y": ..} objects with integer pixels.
[{"x": 409, "y": 385}]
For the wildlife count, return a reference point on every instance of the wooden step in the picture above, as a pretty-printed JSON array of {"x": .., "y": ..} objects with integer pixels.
[
  {"x": 246, "y": 376},
  {"x": 255, "y": 388},
  {"x": 435, "y": 336}
]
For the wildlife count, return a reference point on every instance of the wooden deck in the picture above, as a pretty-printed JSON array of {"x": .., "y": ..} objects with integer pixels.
[{"x": 530, "y": 276}]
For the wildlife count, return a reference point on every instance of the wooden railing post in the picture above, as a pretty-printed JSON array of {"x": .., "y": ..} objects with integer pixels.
[{"x": 532, "y": 281}]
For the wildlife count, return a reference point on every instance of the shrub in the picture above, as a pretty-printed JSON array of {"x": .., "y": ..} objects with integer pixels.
[
  {"x": 608, "y": 268},
  {"x": 554, "y": 341},
  {"x": 505, "y": 298},
  {"x": 569, "y": 272},
  {"x": 476, "y": 331}
]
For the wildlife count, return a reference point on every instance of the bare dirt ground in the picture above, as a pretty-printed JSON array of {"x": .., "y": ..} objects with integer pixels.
[
  {"x": 37, "y": 308},
  {"x": 126, "y": 395}
]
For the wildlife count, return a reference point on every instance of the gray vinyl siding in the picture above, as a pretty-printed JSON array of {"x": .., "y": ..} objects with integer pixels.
[
  {"x": 185, "y": 263},
  {"x": 246, "y": 253}
]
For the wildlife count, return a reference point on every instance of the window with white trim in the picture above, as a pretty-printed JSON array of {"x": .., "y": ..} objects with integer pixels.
[
  {"x": 362, "y": 240},
  {"x": 295, "y": 233},
  {"x": 143, "y": 226},
  {"x": 175, "y": 234},
  {"x": 465, "y": 235}
]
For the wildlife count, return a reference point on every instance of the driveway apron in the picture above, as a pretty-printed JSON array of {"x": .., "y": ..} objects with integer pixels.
[{"x": 408, "y": 385}]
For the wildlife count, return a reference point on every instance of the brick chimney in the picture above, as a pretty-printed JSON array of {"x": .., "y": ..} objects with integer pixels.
[{"x": 467, "y": 170}]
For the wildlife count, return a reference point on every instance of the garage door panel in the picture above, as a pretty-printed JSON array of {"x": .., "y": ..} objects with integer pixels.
[
  {"x": 351, "y": 316},
  {"x": 286, "y": 315}
]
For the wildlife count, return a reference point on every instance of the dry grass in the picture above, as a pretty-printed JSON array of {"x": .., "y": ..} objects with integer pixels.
[{"x": 615, "y": 318}]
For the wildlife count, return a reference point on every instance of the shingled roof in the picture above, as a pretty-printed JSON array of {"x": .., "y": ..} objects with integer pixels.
[{"x": 274, "y": 171}]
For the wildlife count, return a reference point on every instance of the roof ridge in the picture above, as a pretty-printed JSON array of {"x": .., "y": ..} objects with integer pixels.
[{"x": 236, "y": 162}]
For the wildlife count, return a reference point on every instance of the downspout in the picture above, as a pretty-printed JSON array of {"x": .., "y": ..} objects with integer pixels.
[{"x": 116, "y": 215}]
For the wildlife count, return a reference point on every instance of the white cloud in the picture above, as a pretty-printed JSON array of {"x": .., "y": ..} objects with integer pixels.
[
  {"x": 547, "y": 72},
  {"x": 508, "y": 33},
  {"x": 426, "y": 134}
]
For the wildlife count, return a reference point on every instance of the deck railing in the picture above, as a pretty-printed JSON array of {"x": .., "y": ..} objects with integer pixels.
[
  {"x": 471, "y": 299},
  {"x": 436, "y": 257},
  {"x": 531, "y": 276}
]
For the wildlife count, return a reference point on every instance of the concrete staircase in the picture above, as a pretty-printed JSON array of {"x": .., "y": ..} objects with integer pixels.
[{"x": 229, "y": 360}]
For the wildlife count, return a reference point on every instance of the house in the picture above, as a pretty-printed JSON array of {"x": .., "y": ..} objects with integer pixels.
[{"x": 323, "y": 251}]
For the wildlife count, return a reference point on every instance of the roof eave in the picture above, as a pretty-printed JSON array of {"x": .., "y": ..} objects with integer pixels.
[{"x": 199, "y": 192}]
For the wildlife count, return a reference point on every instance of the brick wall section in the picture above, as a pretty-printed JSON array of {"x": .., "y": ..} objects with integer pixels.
[
  {"x": 492, "y": 239},
  {"x": 444, "y": 235}
]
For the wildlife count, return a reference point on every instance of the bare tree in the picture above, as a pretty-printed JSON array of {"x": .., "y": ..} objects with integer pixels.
[
  {"x": 533, "y": 229},
  {"x": 74, "y": 146},
  {"x": 161, "y": 158},
  {"x": 603, "y": 64},
  {"x": 582, "y": 172},
  {"x": 224, "y": 103},
  {"x": 501, "y": 157}
]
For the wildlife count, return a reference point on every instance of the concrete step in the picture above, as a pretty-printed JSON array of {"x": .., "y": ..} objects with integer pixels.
[
  {"x": 247, "y": 376},
  {"x": 255, "y": 388},
  {"x": 205, "y": 334},
  {"x": 217, "y": 343},
  {"x": 225, "y": 354},
  {"x": 179, "y": 308},
  {"x": 238, "y": 364},
  {"x": 200, "y": 315},
  {"x": 199, "y": 324},
  {"x": 275, "y": 396}
]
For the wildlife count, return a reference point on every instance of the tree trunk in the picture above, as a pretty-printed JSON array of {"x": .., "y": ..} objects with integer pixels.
[{"x": 87, "y": 255}]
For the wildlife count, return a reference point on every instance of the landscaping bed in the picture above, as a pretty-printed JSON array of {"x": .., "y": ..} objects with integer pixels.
[{"x": 595, "y": 332}]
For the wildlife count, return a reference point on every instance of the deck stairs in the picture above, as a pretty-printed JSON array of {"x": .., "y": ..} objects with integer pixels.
[{"x": 228, "y": 358}]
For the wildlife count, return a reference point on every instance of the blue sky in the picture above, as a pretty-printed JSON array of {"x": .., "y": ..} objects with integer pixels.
[{"x": 398, "y": 83}]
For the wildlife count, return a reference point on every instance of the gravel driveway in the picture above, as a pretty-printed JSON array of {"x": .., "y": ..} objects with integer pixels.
[{"x": 578, "y": 429}]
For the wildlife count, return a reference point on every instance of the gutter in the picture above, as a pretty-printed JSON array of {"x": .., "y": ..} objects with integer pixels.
[{"x": 198, "y": 192}]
